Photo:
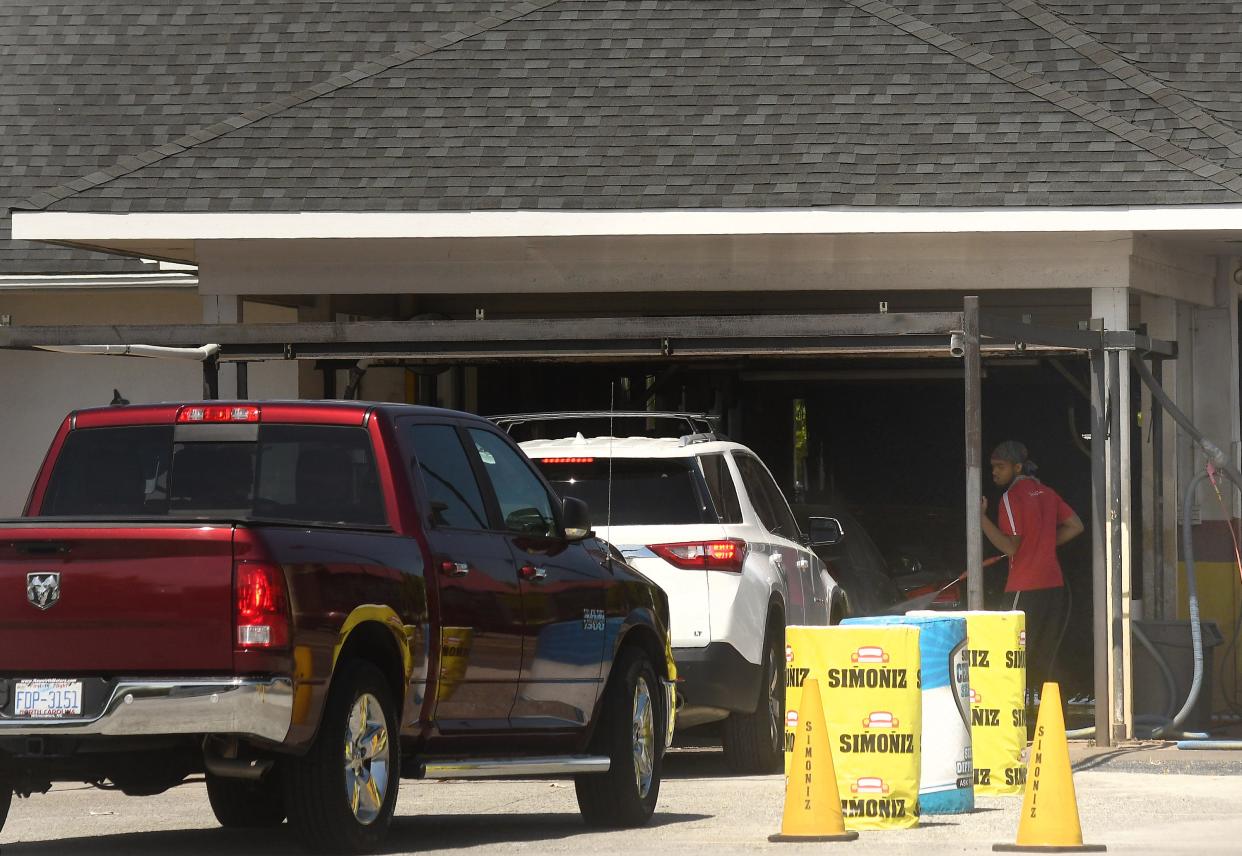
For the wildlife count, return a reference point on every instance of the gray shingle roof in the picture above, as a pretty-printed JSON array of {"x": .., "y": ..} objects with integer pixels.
[
  {"x": 87, "y": 83},
  {"x": 630, "y": 104}
]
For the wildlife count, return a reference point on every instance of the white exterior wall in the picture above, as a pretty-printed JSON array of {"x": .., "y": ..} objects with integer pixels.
[{"x": 37, "y": 389}]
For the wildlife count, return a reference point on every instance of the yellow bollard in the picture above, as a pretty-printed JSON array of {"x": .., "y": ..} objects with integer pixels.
[
  {"x": 1049, "y": 821},
  {"x": 812, "y": 803}
]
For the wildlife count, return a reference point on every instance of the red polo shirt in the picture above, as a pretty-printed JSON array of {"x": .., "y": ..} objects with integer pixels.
[{"x": 1032, "y": 511}]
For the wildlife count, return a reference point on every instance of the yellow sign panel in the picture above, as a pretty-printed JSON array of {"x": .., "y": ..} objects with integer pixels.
[
  {"x": 996, "y": 652},
  {"x": 870, "y": 688}
]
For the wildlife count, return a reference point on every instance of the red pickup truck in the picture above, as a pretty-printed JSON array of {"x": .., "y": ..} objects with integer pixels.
[{"x": 307, "y": 602}]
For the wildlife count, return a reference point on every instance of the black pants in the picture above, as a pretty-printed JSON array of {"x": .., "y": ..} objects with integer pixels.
[{"x": 1046, "y": 613}]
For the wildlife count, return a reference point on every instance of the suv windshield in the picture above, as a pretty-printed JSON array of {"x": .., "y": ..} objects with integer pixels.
[
  {"x": 298, "y": 473},
  {"x": 645, "y": 492}
]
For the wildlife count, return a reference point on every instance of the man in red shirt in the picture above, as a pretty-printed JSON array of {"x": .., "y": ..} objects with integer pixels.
[{"x": 1034, "y": 521}]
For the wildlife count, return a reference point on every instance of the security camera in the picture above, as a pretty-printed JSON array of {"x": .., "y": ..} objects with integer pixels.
[{"x": 957, "y": 344}]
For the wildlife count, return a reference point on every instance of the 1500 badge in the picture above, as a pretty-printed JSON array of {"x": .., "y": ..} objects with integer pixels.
[{"x": 592, "y": 619}]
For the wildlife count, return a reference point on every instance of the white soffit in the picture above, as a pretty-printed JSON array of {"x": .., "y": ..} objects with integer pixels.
[
  {"x": 60, "y": 282},
  {"x": 95, "y": 228}
]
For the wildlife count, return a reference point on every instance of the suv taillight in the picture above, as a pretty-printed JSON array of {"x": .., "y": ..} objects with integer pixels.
[
  {"x": 704, "y": 555},
  {"x": 262, "y": 606}
]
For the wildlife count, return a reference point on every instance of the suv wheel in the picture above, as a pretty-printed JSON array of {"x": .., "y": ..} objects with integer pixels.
[
  {"x": 754, "y": 743},
  {"x": 343, "y": 802},
  {"x": 241, "y": 804},
  {"x": 631, "y": 734}
]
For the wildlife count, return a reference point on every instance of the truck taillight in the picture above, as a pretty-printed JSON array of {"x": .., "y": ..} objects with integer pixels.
[
  {"x": 728, "y": 555},
  {"x": 262, "y": 605}
]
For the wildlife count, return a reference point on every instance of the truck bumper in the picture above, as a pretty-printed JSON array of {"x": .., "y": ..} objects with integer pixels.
[{"x": 260, "y": 708}]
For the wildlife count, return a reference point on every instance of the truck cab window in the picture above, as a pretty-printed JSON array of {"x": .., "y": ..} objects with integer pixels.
[
  {"x": 525, "y": 505},
  {"x": 451, "y": 487}
]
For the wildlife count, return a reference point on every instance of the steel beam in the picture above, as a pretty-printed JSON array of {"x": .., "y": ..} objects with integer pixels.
[
  {"x": 974, "y": 454},
  {"x": 1005, "y": 330},
  {"x": 1154, "y": 596},
  {"x": 1099, "y": 545},
  {"x": 211, "y": 379},
  {"x": 1117, "y": 565},
  {"x": 551, "y": 333}
]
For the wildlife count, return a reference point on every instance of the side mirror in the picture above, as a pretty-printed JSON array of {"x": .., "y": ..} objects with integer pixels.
[
  {"x": 576, "y": 518},
  {"x": 826, "y": 532}
]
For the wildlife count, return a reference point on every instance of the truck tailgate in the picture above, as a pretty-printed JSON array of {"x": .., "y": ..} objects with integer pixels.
[{"x": 117, "y": 599}]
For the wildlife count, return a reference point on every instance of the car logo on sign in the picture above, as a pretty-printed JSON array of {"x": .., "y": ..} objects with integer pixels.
[
  {"x": 43, "y": 588},
  {"x": 869, "y": 785},
  {"x": 880, "y": 719},
  {"x": 869, "y": 654}
]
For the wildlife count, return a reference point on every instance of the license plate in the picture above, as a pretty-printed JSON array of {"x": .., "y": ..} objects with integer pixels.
[{"x": 47, "y": 699}]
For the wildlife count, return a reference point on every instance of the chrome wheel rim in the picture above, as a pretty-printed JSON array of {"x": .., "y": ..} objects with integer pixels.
[
  {"x": 644, "y": 738},
  {"x": 366, "y": 758},
  {"x": 776, "y": 702}
]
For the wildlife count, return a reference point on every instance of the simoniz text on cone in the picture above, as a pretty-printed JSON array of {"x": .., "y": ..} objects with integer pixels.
[
  {"x": 812, "y": 803},
  {"x": 1049, "y": 821}
]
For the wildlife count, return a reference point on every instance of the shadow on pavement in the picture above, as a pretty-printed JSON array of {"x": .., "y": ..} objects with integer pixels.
[
  {"x": 446, "y": 832},
  {"x": 696, "y": 764},
  {"x": 409, "y": 834},
  {"x": 184, "y": 842}
]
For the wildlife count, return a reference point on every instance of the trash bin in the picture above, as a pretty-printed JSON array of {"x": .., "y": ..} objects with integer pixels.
[{"x": 1172, "y": 640}]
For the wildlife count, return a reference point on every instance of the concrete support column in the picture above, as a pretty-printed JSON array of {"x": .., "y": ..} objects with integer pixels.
[
  {"x": 1215, "y": 380},
  {"x": 1112, "y": 603},
  {"x": 310, "y": 380},
  {"x": 227, "y": 309}
]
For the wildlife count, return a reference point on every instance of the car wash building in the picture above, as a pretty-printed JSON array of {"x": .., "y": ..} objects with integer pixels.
[{"x": 875, "y": 239}]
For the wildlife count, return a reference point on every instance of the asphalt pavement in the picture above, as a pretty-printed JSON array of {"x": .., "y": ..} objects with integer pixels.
[{"x": 702, "y": 810}]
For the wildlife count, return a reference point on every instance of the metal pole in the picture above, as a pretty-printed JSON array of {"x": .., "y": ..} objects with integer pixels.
[
  {"x": 1099, "y": 552},
  {"x": 1117, "y": 654},
  {"x": 1154, "y": 599},
  {"x": 974, "y": 454},
  {"x": 211, "y": 379}
]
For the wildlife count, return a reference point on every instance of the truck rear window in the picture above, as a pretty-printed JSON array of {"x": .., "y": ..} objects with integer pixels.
[
  {"x": 297, "y": 473},
  {"x": 645, "y": 491}
]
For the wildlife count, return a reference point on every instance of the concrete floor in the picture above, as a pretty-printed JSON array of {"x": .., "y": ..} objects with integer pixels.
[{"x": 702, "y": 810}]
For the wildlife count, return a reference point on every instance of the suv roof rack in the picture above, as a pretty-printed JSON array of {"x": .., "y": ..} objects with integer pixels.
[{"x": 701, "y": 427}]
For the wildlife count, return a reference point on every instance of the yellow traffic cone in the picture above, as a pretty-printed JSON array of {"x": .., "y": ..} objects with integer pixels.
[
  {"x": 1049, "y": 821},
  {"x": 812, "y": 803}
]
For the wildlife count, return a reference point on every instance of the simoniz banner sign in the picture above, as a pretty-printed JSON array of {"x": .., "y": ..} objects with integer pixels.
[{"x": 869, "y": 681}]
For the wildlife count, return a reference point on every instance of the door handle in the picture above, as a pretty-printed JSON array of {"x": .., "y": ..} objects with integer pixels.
[
  {"x": 804, "y": 565},
  {"x": 454, "y": 569},
  {"x": 533, "y": 574}
]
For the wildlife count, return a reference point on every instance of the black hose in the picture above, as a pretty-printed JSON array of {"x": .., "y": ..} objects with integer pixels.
[{"x": 1218, "y": 458}]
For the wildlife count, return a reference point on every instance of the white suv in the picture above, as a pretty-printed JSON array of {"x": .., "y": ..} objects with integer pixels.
[{"x": 704, "y": 519}]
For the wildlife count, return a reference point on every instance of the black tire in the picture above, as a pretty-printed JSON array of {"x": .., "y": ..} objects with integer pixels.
[
  {"x": 6, "y": 799},
  {"x": 616, "y": 799},
  {"x": 754, "y": 743},
  {"x": 239, "y": 804},
  {"x": 317, "y": 786}
]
